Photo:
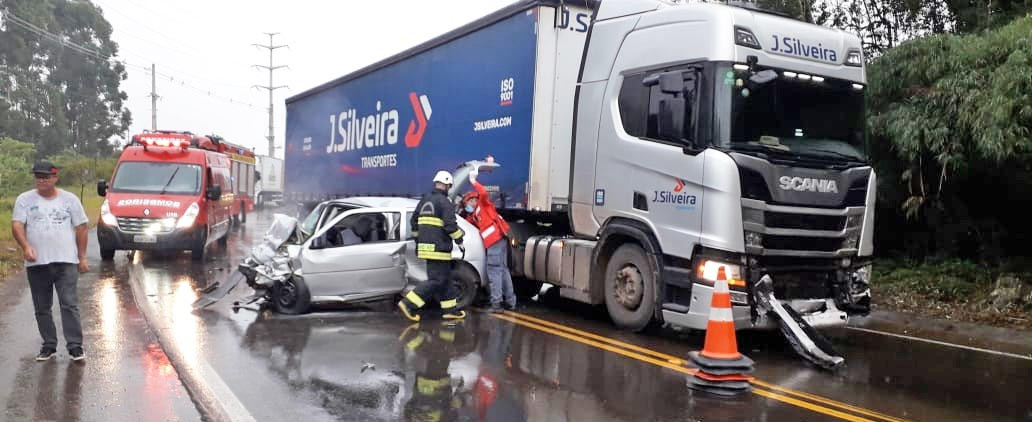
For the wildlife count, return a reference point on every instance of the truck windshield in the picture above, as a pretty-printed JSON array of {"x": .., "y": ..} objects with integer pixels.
[
  {"x": 794, "y": 116},
  {"x": 154, "y": 177}
]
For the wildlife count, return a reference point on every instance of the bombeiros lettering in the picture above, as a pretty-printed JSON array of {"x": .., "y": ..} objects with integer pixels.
[{"x": 801, "y": 184}]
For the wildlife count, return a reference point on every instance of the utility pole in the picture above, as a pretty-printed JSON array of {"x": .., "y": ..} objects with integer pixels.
[
  {"x": 271, "y": 87},
  {"x": 154, "y": 97}
]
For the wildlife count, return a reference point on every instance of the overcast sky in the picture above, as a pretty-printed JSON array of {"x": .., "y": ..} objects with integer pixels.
[{"x": 205, "y": 45}]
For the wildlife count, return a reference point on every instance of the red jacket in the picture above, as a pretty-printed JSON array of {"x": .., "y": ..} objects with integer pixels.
[{"x": 491, "y": 225}]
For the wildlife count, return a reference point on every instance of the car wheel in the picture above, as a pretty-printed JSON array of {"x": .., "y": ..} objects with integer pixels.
[
  {"x": 465, "y": 280},
  {"x": 291, "y": 296},
  {"x": 630, "y": 288}
]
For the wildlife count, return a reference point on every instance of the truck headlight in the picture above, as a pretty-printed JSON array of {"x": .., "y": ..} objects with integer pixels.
[
  {"x": 708, "y": 271},
  {"x": 188, "y": 217},
  {"x": 852, "y": 240},
  {"x": 753, "y": 239},
  {"x": 106, "y": 216}
]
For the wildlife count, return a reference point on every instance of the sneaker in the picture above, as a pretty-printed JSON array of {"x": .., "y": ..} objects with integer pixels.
[
  {"x": 405, "y": 310},
  {"x": 454, "y": 315},
  {"x": 77, "y": 354},
  {"x": 45, "y": 354}
]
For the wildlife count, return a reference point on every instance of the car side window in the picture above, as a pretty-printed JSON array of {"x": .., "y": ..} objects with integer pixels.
[{"x": 364, "y": 228}]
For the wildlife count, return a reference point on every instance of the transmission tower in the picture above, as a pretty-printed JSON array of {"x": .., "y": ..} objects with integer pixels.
[{"x": 271, "y": 87}]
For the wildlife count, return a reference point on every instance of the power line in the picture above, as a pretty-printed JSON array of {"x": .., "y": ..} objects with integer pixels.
[{"x": 93, "y": 54}]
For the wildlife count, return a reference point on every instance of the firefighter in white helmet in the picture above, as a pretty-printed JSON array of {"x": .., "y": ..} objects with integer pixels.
[{"x": 434, "y": 221}]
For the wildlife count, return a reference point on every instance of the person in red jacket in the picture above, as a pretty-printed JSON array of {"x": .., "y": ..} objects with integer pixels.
[{"x": 481, "y": 212}]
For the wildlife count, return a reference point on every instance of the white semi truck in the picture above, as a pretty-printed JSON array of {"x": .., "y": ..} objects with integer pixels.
[
  {"x": 270, "y": 181},
  {"x": 643, "y": 145}
]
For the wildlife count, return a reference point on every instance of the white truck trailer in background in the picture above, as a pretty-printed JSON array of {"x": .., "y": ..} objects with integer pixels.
[{"x": 270, "y": 181}]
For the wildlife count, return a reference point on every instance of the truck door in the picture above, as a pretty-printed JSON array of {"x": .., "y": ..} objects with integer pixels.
[
  {"x": 359, "y": 252},
  {"x": 663, "y": 184}
]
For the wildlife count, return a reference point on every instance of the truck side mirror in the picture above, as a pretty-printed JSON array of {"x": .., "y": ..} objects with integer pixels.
[
  {"x": 671, "y": 119},
  {"x": 214, "y": 193},
  {"x": 669, "y": 82},
  {"x": 102, "y": 188}
]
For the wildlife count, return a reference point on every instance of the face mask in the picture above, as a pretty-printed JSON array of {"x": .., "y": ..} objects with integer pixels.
[{"x": 469, "y": 208}]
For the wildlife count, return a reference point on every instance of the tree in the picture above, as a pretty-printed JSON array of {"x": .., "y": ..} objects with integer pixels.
[
  {"x": 16, "y": 160},
  {"x": 950, "y": 119},
  {"x": 62, "y": 87}
]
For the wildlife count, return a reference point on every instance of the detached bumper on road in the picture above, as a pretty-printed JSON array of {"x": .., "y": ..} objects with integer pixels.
[{"x": 114, "y": 238}]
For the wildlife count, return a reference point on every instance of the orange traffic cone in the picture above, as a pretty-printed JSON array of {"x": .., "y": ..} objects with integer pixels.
[{"x": 721, "y": 368}]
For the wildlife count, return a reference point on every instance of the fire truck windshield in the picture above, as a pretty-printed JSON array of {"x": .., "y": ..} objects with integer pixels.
[{"x": 154, "y": 177}]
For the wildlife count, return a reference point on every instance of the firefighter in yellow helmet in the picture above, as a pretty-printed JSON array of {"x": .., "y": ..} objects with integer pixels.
[{"x": 434, "y": 220}]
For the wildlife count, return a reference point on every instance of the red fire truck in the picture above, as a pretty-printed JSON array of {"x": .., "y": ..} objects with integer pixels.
[{"x": 174, "y": 191}]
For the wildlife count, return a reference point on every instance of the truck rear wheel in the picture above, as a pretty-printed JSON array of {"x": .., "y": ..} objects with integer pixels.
[
  {"x": 525, "y": 288},
  {"x": 630, "y": 288}
]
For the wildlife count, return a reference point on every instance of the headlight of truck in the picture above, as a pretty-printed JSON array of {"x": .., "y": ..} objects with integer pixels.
[
  {"x": 708, "y": 271},
  {"x": 852, "y": 240},
  {"x": 106, "y": 216},
  {"x": 753, "y": 239},
  {"x": 188, "y": 217}
]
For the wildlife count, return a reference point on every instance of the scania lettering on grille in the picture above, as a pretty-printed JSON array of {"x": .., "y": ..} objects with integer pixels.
[{"x": 801, "y": 184}]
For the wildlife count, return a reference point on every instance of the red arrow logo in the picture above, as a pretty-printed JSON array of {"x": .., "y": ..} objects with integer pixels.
[
  {"x": 680, "y": 186},
  {"x": 417, "y": 127}
]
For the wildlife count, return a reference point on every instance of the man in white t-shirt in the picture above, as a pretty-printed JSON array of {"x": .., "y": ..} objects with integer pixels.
[{"x": 50, "y": 226}]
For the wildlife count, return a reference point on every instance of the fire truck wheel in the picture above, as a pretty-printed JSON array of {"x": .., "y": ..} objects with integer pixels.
[
  {"x": 197, "y": 252},
  {"x": 243, "y": 213},
  {"x": 630, "y": 288}
]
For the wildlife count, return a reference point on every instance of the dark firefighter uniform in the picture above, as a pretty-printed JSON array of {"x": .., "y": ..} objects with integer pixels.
[
  {"x": 434, "y": 399},
  {"x": 434, "y": 221}
]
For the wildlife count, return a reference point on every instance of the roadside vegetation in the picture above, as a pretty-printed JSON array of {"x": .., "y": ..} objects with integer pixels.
[{"x": 78, "y": 175}]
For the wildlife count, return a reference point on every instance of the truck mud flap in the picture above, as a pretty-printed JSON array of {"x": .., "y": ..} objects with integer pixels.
[
  {"x": 803, "y": 338},
  {"x": 214, "y": 292}
]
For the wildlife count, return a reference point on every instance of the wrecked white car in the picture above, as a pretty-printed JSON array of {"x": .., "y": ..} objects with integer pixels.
[{"x": 345, "y": 251}]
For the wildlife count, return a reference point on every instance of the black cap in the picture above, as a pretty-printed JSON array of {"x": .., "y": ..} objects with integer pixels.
[{"x": 44, "y": 167}]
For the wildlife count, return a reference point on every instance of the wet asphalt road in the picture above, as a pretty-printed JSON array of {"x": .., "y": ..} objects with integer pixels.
[{"x": 552, "y": 361}]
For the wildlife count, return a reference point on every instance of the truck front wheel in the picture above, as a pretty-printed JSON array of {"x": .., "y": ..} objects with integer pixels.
[{"x": 630, "y": 288}]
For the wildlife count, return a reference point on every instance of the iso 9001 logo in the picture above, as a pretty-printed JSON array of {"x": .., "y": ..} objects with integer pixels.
[{"x": 508, "y": 85}]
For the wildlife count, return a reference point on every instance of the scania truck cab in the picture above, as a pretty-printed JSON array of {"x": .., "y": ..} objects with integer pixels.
[
  {"x": 710, "y": 136},
  {"x": 167, "y": 193}
]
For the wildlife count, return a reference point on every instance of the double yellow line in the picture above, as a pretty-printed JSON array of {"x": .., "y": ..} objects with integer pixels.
[{"x": 785, "y": 395}]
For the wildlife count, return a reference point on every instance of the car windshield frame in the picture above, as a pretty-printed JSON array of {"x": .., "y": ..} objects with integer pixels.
[
  {"x": 130, "y": 174},
  {"x": 832, "y": 129}
]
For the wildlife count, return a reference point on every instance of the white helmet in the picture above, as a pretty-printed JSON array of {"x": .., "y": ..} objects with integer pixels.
[{"x": 443, "y": 177}]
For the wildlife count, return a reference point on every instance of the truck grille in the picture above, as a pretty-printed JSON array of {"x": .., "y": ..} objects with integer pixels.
[
  {"x": 138, "y": 225},
  {"x": 802, "y": 243},
  {"x": 786, "y": 220},
  {"x": 791, "y": 231}
]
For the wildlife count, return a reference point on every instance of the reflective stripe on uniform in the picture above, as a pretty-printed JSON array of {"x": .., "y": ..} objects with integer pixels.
[
  {"x": 448, "y": 304},
  {"x": 413, "y": 297},
  {"x": 437, "y": 256},
  {"x": 414, "y": 343},
  {"x": 430, "y": 221},
  {"x": 429, "y": 387},
  {"x": 448, "y": 336},
  {"x": 487, "y": 232},
  {"x": 426, "y": 247},
  {"x": 456, "y": 234}
]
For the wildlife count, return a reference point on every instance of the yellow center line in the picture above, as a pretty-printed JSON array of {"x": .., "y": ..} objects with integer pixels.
[
  {"x": 672, "y": 359},
  {"x": 672, "y": 362}
]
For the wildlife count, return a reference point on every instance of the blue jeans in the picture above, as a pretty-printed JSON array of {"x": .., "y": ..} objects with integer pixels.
[
  {"x": 43, "y": 280},
  {"x": 498, "y": 277}
]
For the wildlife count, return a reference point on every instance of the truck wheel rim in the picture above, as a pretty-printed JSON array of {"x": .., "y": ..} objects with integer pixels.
[{"x": 629, "y": 287}]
